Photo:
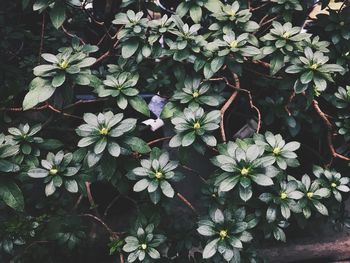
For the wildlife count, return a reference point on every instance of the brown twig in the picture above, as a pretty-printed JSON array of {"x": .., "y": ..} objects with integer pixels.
[
  {"x": 102, "y": 57},
  {"x": 115, "y": 199},
  {"x": 193, "y": 171},
  {"x": 252, "y": 105},
  {"x": 80, "y": 198},
  {"x": 63, "y": 113},
  {"x": 45, "y": 106},
  {"x": 291, "y": 97},
  {"x": 187, "y": 203},
  {"x": 42, "y": 37},
  {"x": 269, "y": 21},
  {"x": 109, "y": 52},
  {"x": 259, "y": 7},
  {"x": 121, "y": 257},
  {"x": 159, "y": 140},
  {"x": 263, "y": 19},
  {"x": 223, "y": 110},
  {"x": 91, "y": 198},
  {"x": 109, "y": 230},
  {"x": 72, "y": 35},
  {"x": 261, "y": 63},
  {"x": 330, "y": 132},
  {"x": 79, "y": 102}
]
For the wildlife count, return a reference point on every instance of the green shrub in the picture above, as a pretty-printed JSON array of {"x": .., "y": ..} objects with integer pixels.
[{"x": 252, "y": 102}]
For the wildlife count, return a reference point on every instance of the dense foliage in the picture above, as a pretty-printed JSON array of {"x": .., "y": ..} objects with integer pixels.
[{"x": 170, "y": 131}]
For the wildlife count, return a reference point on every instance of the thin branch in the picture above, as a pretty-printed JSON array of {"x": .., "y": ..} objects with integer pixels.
[
  {"x": 102, "y": 57},
  {"x": 252, "y": 105},
  {"x": 330, "y": 132},
  {"x": 42, "y": 37},
  {"x": 187, "y": 203},
  {"x": 46, "y": 106},
  {"x": 259, "y": 7},
  {"x": 223, "y": 110},
  {"x": 193, "y": 171},
  {"x": 72, "y": 35},
  {"x": 115, "y": 199},
  {"x": 91, "y": 198},
  {"x": 291, "y": 97},
  {"x": 79, "y": 102},
  {"x": 109, "y": 230},
  {"x": 121, "y": 257},
  {"x": 269, "y": 21},
  {"x": 263, "y": 19},
  {"x": 159, "y": 140},
  {"x": 78, "y": 202},
  {"x": 63, "y": 113}
]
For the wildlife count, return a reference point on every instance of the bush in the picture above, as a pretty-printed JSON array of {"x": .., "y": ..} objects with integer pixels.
[{"x": 182, "y": 131}]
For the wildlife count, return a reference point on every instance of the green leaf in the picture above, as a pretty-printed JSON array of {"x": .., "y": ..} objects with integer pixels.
[
  {"x": 51, "y": 144},
  {"x": 167, "y": 189},
  {"x": 235, "y": 242},
  {"x": 140, "y": 105},
  {"x": 58, "y": 14},
  {"x": 137, "y": 144},
  {"x": 40, "y": 93},
  {"x": 209, "y": 140},
  {"x": 271, "y": 214},
  {"x": 11, "y": 194},
  {"x": 44, "y": 69},
  {"x": 155, "y": 197},
  {"x": 86, "y": 62},
  {"x": 279, "y": 234},
  {"x": 50, "y": 57},
  {"x": 71, "y": 186},
  {"x": 84, "y": 142},
  {"x": 141, "y": 185},
  {"x": 188, "y": 139},
  {"x": 100, "y": 145},
  {"x": 58, "y": 79},
  {"x": 327, "y": 68},
  {"x": 7, "y": 167},
  {"x": 306, "y": 77},
  {"x": 320, "y": 207},
  {"x": 50, "y": 188},
  {"x": 93, "y": 158},
  {"x": 299, "y": 87},
  {"x": 262, "y": 179},
  {"x": 38, "y": 173},
  {"x": 217, "y": 63},
  {"x": 129, "y": 48},
  {"x": 113, "y": 149},
  {"x": 182, "y": 9},
  {"x": 277, "y": 63},
  {"x": 245, "y": 193},
  {"x": 175, "y": 141},
  {"x": 322, "y": 192},
  {"x": 213, "y": 6},
  {"x": 285, "y": 211},
  {"x": 206, "y": 230},
  {"x": 210, "y": 248},
  {"x": 153, "y": 253},
  {"x": 291, "y": 146},
  {"x": 196, "y": 13},
  {"x": 169, "y": 110},
  {"x": 228, "y": 184}
]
